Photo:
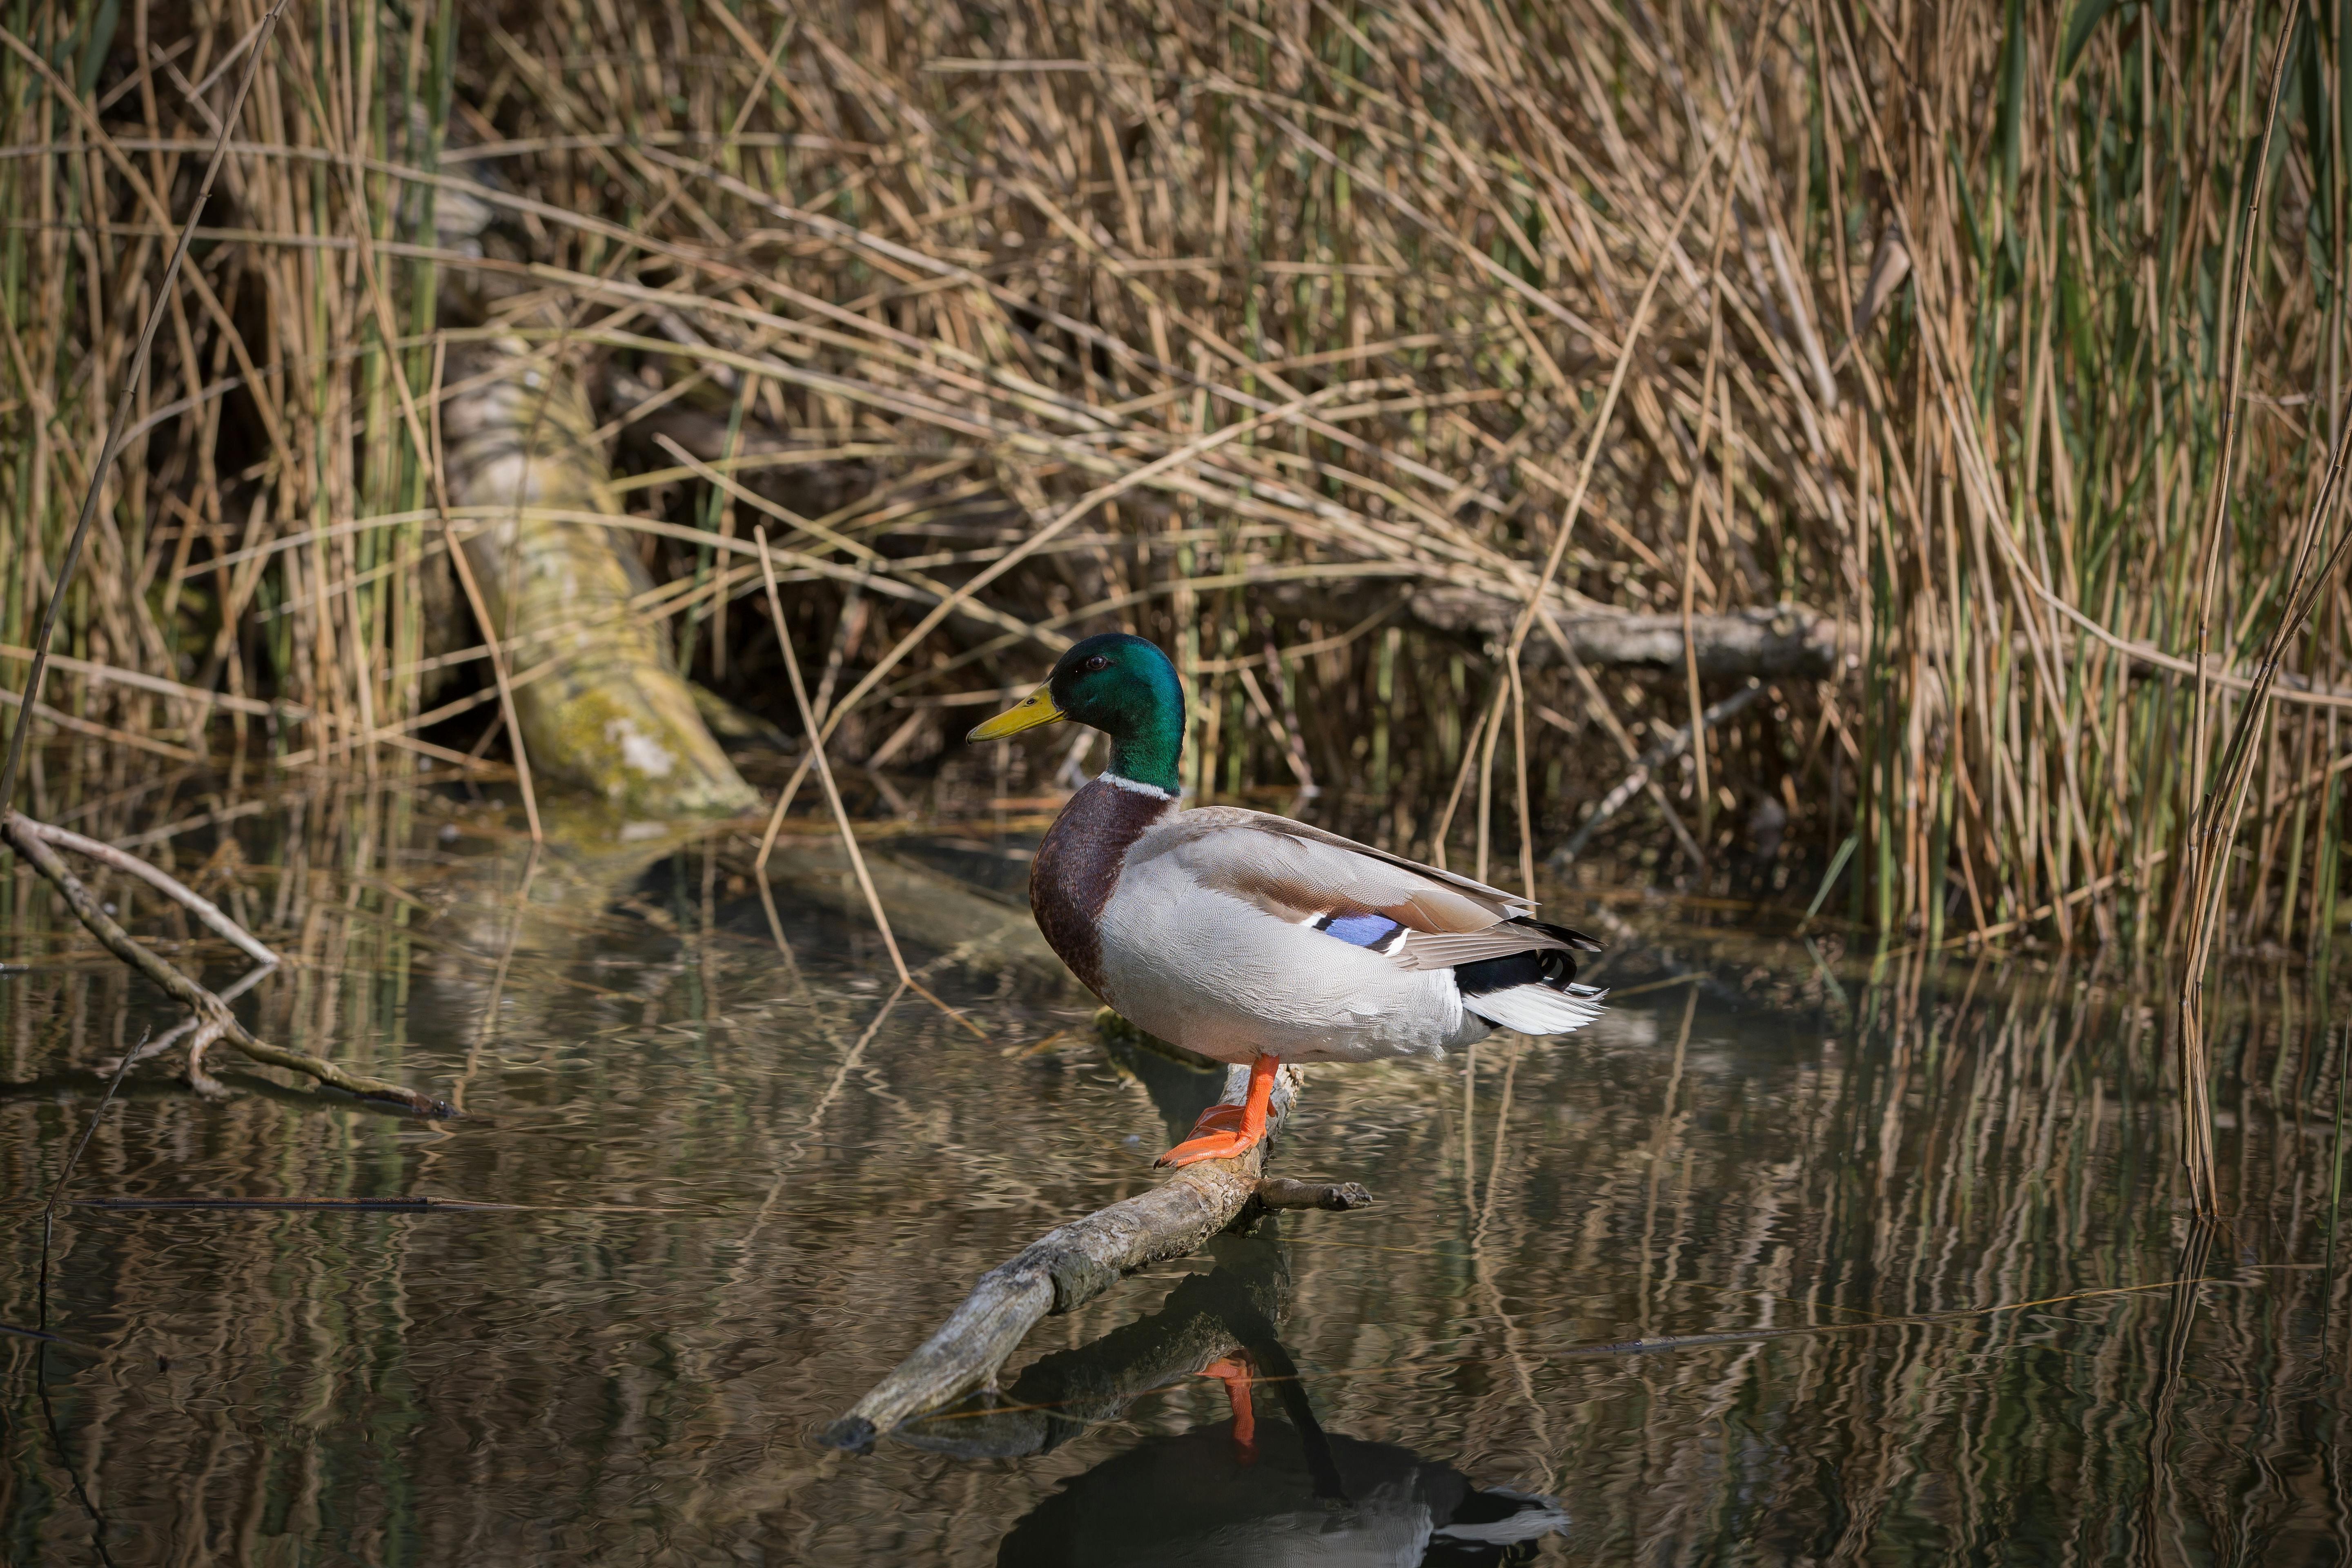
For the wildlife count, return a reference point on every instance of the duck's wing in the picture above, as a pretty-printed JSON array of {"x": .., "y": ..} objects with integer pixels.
[
  {"x": 1283, "y": 826},
  {"x": 1417, "y": 916}
]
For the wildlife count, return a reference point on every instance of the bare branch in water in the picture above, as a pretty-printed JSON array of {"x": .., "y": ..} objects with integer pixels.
[
  {"x": 1077, "y": 1262},
  {"x": 216, "y": 1022}
]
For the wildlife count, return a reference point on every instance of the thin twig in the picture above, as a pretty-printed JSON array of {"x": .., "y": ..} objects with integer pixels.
[
  {"x": 155, "y": 876},
  {"x": 1656, "y": 757}
]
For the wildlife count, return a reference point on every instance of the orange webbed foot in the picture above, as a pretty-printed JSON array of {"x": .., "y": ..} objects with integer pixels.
[
  {"x": 1227, "y": 1130},
  {"x": 1216, "y": 1146},
  {"x": 1219, "y": 1134},
  {"x": 1236, "y": 1373}
]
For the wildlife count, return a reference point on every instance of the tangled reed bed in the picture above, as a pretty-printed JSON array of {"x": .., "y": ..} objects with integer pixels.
[{"x": 1434, "y": 341}]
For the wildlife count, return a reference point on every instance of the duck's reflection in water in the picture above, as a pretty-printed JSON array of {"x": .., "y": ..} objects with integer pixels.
[
  {"x": 1267, "y": 1487},
  {"x": 1308, "y": 1497}
]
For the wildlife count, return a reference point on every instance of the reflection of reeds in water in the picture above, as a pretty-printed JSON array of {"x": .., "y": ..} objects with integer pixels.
[
  {"x": 1945, "y": 357},
  {"x": 741, "y": 1206}
]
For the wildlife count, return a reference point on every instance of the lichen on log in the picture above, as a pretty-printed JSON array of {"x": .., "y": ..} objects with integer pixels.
[{"x": 598, "y": 695}]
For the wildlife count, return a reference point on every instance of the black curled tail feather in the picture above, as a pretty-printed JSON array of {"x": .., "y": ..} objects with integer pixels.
[
  {"x": 1554, "y": 968},
  {"x": 1575, "y": 939}
]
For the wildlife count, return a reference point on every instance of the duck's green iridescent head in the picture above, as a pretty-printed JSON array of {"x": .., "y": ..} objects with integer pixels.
[{"x": 1121, "y": 685}]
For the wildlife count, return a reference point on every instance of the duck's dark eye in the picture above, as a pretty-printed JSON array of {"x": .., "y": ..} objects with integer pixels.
[{"x": 1098, "y": 662}]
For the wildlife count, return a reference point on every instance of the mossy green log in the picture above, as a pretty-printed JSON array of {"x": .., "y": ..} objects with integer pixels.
[{"x": 598, "y": 695}]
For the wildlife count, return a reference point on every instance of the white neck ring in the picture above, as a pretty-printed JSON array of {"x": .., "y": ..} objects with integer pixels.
[{"x": 1133, "y": 785}]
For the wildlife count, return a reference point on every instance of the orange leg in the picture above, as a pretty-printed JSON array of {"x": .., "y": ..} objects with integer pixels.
[
  {"x": 1227, "y": 1130},
  {"x": 1235, "y": 1373}
]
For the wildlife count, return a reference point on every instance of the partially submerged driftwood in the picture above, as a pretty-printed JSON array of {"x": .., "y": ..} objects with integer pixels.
[
  {"x": 1074, "y": 1263},
  {"x": 927, "y": 907},
  {"x": 1206, "y": 1318}
]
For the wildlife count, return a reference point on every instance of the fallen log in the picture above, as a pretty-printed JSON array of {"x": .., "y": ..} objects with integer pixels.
[
  {"x": 1073, "y": 1264},
  {"x": 613, "y": 716},
  {"x": 1787, "y": 641},
  {"x": 1765, "y": 643}
]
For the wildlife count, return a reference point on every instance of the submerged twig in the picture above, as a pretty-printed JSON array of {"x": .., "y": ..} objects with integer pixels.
[
  {"x": 197, "y": 1078},
  {"x": 358, "y": 1206},
  {"x": 57, "y": 1188}
]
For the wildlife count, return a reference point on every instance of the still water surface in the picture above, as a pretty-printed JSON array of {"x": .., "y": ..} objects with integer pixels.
[{"x": 1766, "y": 1268}]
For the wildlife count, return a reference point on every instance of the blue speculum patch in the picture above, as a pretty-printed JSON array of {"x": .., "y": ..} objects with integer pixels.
[{"x": 1362, "y": 930}]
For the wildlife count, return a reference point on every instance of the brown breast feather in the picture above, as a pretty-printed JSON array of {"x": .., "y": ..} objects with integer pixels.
[{"x": 1077, "y": 868}]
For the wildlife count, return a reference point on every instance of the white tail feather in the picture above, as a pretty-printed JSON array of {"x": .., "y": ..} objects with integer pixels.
[{"x": 1537, "y": 1009}]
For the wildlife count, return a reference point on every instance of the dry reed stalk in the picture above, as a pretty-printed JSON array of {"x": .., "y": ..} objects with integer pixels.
[
  {"x": 2210, "y": 836},
  {"x": 32, "y": 840},
  {"x": 118, "y": 426}
]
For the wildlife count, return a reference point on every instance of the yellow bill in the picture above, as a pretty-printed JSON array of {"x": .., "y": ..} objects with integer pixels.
[{"x": 1031, "y": 710}]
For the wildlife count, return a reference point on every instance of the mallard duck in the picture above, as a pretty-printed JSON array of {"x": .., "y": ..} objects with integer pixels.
[{"x": 1249, "y": 938}]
